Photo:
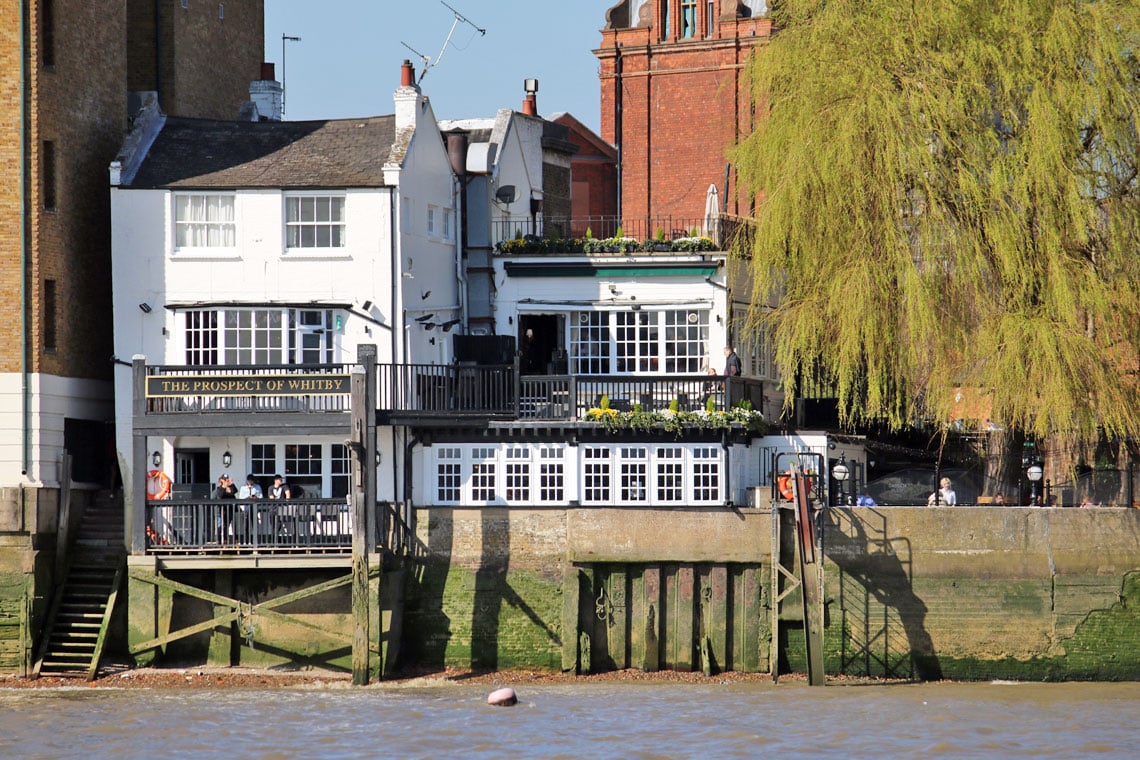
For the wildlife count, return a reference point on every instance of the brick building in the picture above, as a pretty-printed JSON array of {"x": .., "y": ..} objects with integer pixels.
[
  {"x": 593, "y": 169},
  {"x": 68, "y": 67},
  {"x": 673, "y": 100}
]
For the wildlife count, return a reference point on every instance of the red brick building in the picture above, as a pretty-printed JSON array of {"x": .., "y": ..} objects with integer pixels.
[
  {"x": 594, "y": 171},
  {"x": 674, "y": 102}
]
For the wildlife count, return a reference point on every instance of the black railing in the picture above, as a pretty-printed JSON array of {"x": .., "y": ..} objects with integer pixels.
[
  {"x": 563, "y": 397},
  {"x": 291, "y": 401},
  {"x": 262, "y": 525},
  {"x": 447, "y": 389},
  {"x": 639, "y": 228},
  {"x": 444, "y": 391}
]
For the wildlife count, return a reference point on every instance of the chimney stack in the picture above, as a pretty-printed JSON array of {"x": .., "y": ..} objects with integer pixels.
[
  {"x": 530, "y": 102},
  {"x": 407, "y": 74},
  {"x": 267, "y": 94}
]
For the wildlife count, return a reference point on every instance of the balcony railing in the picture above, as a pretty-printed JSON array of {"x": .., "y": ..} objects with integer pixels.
[
  {"x": 261, "y": 525},
  {"x": 640, "y": 228},
  {"x": 409, "y": 392}
]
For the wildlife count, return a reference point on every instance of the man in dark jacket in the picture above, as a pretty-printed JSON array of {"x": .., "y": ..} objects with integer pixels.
[{"x": 731, "y": 362}]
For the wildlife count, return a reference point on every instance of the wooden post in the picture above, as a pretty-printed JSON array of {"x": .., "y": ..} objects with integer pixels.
[
  {"x": 570, "y": 619},
  {"x": 366, "y": 355},
  {"x": 360, "y": 468}
]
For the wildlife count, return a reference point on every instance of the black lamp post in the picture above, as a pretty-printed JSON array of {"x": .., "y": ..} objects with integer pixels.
[{"x": 840, "y": 472}]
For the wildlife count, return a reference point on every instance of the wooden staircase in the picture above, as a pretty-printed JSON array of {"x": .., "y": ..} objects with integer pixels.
[{"x": 81, "y": 610}]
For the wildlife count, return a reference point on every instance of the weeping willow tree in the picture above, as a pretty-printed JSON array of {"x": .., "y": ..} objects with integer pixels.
[{"x": 947, "y": 201}]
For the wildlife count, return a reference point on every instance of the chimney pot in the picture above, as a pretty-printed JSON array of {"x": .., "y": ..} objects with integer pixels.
[
  {"x": 268, "y": 73},
  {"x": 407, "y": 74},
  {"x": 530, "y": 105}
]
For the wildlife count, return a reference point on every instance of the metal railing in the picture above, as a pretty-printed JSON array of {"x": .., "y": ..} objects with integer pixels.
[
  {"x": 564, "y": 397},
  {"x": 447, "y": 389},
  {"x": 429, "y": 391},
  {"x": 640, "y": 228},
  {"x": 263, "y": 525}
]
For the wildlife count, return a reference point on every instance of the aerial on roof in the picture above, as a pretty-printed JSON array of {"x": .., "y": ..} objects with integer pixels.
[{"x": 201, "y": 153}]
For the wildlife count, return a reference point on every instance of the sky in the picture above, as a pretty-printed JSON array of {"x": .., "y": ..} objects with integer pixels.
[{"x": 347, "y": 63}]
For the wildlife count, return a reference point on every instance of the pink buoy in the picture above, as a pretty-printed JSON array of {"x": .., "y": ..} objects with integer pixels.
[{"x": 504, "y": 697}]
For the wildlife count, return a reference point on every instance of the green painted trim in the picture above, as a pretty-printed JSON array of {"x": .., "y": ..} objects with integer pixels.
[{"x": 515, "y": 269}]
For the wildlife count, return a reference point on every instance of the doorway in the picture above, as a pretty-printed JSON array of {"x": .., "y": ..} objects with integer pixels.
[
  {"x": 191, "y": 474},
  {"x": 541, "y": 342}
]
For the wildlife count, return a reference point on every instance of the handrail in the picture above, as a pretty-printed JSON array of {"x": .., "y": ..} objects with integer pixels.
[{"x": 224, "y": 525}]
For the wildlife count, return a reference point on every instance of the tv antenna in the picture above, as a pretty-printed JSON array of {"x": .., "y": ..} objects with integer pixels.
[{"x": 458, "y": 19}]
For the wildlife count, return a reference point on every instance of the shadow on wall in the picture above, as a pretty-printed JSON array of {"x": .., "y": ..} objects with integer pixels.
[
  {"x": 425, "y": 619},
  {"x": 876, "y": 596}
]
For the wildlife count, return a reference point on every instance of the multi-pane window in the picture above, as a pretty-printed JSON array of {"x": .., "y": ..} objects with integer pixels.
[
  {"x": 551, "y": 475},
  {"x": 263, "y": 459},
  {"x": 253, "y": 336},
  {"x": 432, "y": 220},
  {"x": 635, "y": 334},
  {"x": 688, "y": 19},
  {"x": 710, "y": 18},
  {"x": 686, "y": 340},
  {"x": 639, "y": 342},
  {"x": 669, "y": 475},
  {"x": 314, "y": 221},
  {"x": 483, "y": 475},
  {"x": 590, "y": 343},
  {"x": 449, "y": 475},
  {"x": 303, "y": 465},
  {"x": 518, "y": 474},
  {"x": 633, "y": 474},
  {"x": 340, "y": 470},
  {"x": 204, "y": 221},
  {"x": 258, "y": 336},
  {"x": 595, "y": 475},
  {"x": 666, "y": 7},
  {"x": 706, "y": 474},
  {"x": 447, "y": 225}
]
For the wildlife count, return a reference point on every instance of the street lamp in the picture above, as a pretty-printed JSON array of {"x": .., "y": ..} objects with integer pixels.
[
  {"x": 840, "y": 472},
  {"x": 1034, "y": 474}
]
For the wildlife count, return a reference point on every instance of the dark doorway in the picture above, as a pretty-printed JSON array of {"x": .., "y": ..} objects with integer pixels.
[
  {"x": 192, "y": 474},
  {"x": 541, "y": 344}
]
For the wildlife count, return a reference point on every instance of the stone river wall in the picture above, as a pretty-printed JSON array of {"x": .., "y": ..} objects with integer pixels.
[{"x": 963, "y": 593}]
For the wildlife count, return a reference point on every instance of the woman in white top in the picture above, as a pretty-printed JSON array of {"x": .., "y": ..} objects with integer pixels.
[{"x": 944, "y": 495}]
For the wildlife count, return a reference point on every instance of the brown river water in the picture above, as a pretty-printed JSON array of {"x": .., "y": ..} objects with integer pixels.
[{"x": 617, "y": 720}]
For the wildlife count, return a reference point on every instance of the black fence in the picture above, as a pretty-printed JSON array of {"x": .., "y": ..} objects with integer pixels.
[
  {"x": 289, "y": 400},
  {"x": 174, "y": 527}
]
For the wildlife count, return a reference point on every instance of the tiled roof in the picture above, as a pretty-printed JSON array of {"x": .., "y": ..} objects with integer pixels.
[{"x": 201, "y": 153}]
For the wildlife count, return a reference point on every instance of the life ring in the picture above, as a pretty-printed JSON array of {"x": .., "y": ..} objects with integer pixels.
[
  {"x": 157, "y": 485},
  {"x": 784, "y": 486}
]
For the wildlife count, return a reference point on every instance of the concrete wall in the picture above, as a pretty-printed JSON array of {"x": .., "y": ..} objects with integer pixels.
[{"x": 910, "y": 592}]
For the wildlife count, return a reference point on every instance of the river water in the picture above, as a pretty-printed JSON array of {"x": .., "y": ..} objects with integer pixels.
[{"x": 617, "y": 720}]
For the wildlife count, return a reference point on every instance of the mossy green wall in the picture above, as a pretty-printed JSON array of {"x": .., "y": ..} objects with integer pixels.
[{"x": 967, "y": 593}]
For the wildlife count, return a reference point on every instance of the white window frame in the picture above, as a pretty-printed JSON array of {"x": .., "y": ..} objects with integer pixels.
[
  {"x": 592, "y": 475},
  {"x": 337, "y": 229},
  {"x": 226, "y": 229},
  {"x": 210, "y": 338},
  {"x": 672, "y": 341}
]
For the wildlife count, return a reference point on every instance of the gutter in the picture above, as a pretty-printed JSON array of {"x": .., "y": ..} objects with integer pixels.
[{"x": 25, "y": 258}]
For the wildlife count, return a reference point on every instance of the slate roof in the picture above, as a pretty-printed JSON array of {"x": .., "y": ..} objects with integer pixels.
[{"x": 203, "y": 153}]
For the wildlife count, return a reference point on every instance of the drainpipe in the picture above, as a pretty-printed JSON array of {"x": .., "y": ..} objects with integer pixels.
[
  {"x": 25, "y": 257},
  {"x": 617, "y": 122}
]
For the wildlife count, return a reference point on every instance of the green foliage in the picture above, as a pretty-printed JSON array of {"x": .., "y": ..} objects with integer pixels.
[
  {"x": 604, "y": 403},
  {"x": 948, "y": 200},
  {"x": 589, "y": 233},
  {"x": 620, "y": 232},
  {"x": 659, "y": 234},
  {"x": 710, "y": 405},
  {"x": 674, "y": 405}
]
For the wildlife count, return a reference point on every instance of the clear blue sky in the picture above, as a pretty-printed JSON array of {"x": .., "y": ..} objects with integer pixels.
[{"x": 348, "y": 60}]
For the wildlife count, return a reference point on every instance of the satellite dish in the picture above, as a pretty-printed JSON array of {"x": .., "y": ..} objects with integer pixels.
[{"x": 505, "y": 194}]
